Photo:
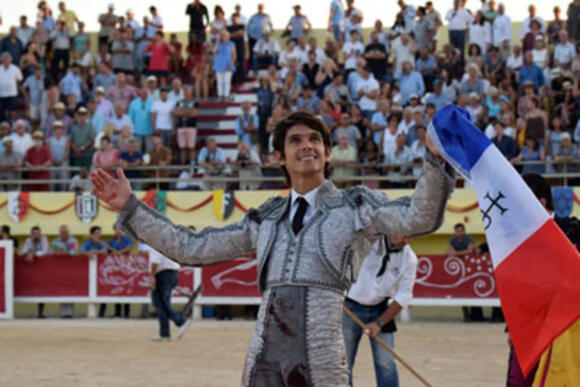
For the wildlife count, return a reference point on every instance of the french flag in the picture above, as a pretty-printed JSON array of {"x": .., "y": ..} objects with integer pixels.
[{"x": 537, "y": 269}]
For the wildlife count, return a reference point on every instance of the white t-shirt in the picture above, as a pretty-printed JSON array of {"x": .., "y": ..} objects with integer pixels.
[
  {"x": 352, "y": 51},
  {"x": 20, "y": 144},
  {"x": 367, "y": 85},
  {"x": 515, "y": 63},
  {"x": 163, "y": 119},
  {"x": 459, "y": 20},
  {"x": 389, "y": 141},
  {"x": 564, "y": 53},
  {"x": 158, "y": 258},
  {"x": 9, "y": 78}
]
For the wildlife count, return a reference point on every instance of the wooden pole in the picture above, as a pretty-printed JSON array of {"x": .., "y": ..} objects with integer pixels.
[{"x": 383, "y": 344}]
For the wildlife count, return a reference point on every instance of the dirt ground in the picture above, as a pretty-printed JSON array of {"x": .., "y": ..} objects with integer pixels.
[{"x": 118, "y": 353}]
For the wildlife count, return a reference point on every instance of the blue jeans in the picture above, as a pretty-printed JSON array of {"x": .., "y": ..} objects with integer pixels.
[
  {"x": 384, "y": 362},
  {"x": 165, "y": 281}
]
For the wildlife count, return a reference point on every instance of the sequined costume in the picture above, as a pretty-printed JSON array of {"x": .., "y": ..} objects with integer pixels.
[{"x": 298, "y": 338}]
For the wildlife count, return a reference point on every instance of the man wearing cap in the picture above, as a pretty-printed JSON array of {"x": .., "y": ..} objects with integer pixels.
[
  {"x": 59, "y": 114},
  {"x": 82, "y": 139},
  {"x": 59, "y": 146},
  {"x": 38, "y": 159},
  {"x": 108, "y": 21},
  {"x": 152, "y": 89},
  {"x": 410, "y": 82},
  {"x": 299, "y": 25},
  {"x": 9, "y": 162},
  {"x": 257, "y": 24}
]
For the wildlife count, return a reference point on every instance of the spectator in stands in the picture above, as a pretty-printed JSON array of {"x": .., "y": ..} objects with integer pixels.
[
  {"x": 132, "y": 158},
  {"x": 417, "y": 149},
  {"x": 59, "y": 147},
  {"x": 121, "y": 244},
  {"x": 494, "y": 66},
  {"x": 104, "y": 78},
  {"x": 376, "y": 56},
  {"x": 186, "y": 115},
  {"x": 309, "y": 101},
  {"x": 502, "y": 28},
  {"x": 473, "y": 83},
  {"x": 568, "y": 156},
  {"x": 120, "y": 120},
  {"x": 337, "y": 92},
  {"x": 159, "y": 59},
  {"x": 162, "y": 116},
  {"x": 59, "y": 114},
  {"x": 106, "y": 157},
  {"x": 266, "y": 51},
  {"x": 212, "y": 160},
  {"x": 564, "y": 52},
  {"x": 61, "y": 40},
  {"x": 352, "y": 133},
  {"x": 367, "y": 89},
  {"x": 140, "y": 114},
  {"x": 299, "y": 25},
  {"x": 104, "y": 106},
  {"x": 353, "y": 18},
  {"x": 10, "y": 76},
  {"x": 506, "y": 144},
  {"x": 379, "y": 120},
  {"x": 65, "y": 244},
  {"x": 532, "y": 151},
  {"x": 121, "y": 92},
  {"x": 247, "y": 127},
  {"x": 480, "y": 32},
  {"x": 69, "y": 17},
  {"x": 410, "y": 82},
  {"x": 95, "y": 245},
  {"x": 536, "y": 121},
  {"x": 397, "y": 160},
  {"x": 404, "y": 49},
  {"x": 237, "y": 35},
  {"x": 438, "y": 98},
  {"x": 122, "y": 50},
  {"x": 108, "y": 22},
  {"x": 81, "y": 182},
  {"x": 218, "y": 24},
  {"x": 81, "y": 49},
  {"x": 5, "y": 235},
  {"x": 159, "y": 155},
  {"x": 176, "y": 93},
  {"x": 352, "y": 49},
  {"x": 10, "y": 161},
  {"x": 198, "y": 19},
  {"x": 248, "y": 163},
  {"x": 530, "y": 72},
  {"x": 37, "y": 158},
  {"x": 33, "y": 88},
  {"x": 156, "y": 21},
  {"x": 343, "y": 154},
  {"x": 224, "y": 64},
  {"x": 461, "y": 243},
  {"x": 36, "y": 245},
  {"x": 527, "y": 24},
  {"x": 82, "y": 138},
  {"x": 459, "y": 20},
  {"x": 11, "y": 45},
  {"x": 387, "y": 141},
  {"x": 21, "y": 139}
]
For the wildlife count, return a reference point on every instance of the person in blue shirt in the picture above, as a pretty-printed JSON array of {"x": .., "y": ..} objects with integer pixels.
[
  {"x": 140, "y": 114},
  {"x": 213, "y": 160},
  {"x": 336, "y": 19},
  {"x": 120, "y": 244},
  {"x": 299, "y": 25},
  {"x": 33, "y": 87},
  {"x": 247, "y": 126},
  {"x": 438, "y": 98},
  {"x": 94, "y": 244},
  {"x": 12, "y": 45},
  {"x": 530, "y": 72},
  {"x": 411, "y": 82},
  {"x": 72, "y": 83},
  {"x": 256, "y": 26}
]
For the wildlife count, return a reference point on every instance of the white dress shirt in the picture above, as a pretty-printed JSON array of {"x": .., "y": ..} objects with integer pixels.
[
  {"x": 480, "y": 35},
  {"x": 502, "y": 30},
  {"x": 161, "y": 260},
  {"x": 310, "y": 198},
  {"x": 564, "y": 53},
  {"x": 459, "y": 20},
  {"x": 396, "y": 282},
  {"x": 525, "y": 28}
]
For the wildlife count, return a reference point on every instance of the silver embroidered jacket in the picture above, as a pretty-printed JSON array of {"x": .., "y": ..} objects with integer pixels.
[{"x": 325, "y": 255}]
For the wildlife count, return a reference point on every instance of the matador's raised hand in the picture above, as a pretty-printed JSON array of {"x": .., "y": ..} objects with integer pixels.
[{"x": 114, "y": 192}]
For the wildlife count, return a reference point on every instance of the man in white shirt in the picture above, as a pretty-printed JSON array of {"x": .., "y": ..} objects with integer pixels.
[
  {"x": 564, "y": 51},
  {"x": 352, "y": 50},
  {"x": 21, "y": 139},
  {"x": 10, "y": 75},
  {"x": 367, "y": 92},
  {"x": 266, "y": 51},
  {"x": 387, "y": 274},
  {"x": 163, "y": 278},
  {"x": 525, "y": 27},
  {"x": 162, "y": 116},
  {"x": 502, "y": 27},
  {"x": 459, "y": 20}
]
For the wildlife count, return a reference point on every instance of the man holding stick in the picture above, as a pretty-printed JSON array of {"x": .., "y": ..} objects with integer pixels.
[
  {"x": 389, "y": 269},
  {"x": 310, "y": 246}
]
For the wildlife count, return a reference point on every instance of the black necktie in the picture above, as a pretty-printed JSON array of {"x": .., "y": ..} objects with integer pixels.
[{"x": 298, "y": 220}]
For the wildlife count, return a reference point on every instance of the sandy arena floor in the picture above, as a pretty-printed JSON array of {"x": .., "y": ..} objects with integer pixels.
[{"x": 118, "y": 353}]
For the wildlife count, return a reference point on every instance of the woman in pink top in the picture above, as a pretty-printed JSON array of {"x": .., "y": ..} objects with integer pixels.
[
  {"x": 106, "y": 157},
  {"x": 159, "y": 61}
]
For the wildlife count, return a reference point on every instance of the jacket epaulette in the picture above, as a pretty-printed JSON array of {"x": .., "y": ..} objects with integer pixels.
[{"x": 270, "y": 207}]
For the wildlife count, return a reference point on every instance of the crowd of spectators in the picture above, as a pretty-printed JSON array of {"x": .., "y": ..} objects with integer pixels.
[{"x": 134, "y": 99}]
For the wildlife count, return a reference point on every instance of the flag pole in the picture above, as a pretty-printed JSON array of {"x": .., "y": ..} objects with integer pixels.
[{"x": 383, "y": 344}]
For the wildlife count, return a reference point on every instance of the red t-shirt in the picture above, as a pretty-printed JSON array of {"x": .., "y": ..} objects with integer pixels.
[{"x": 159, "y": 57}]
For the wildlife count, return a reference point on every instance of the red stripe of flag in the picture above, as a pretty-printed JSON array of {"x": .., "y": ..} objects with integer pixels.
[{"x": 539, "y": 286}]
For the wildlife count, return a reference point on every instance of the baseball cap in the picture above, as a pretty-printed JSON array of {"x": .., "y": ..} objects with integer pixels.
[
  {"x": 100, "y": 89},
  {"x": 38, "y": 134},
  {"x": 59, "y": 105},
  {"x": 57, "y": 123}
]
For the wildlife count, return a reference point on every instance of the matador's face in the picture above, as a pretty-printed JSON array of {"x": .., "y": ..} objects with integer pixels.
[{"x": 304, "y": 152}]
